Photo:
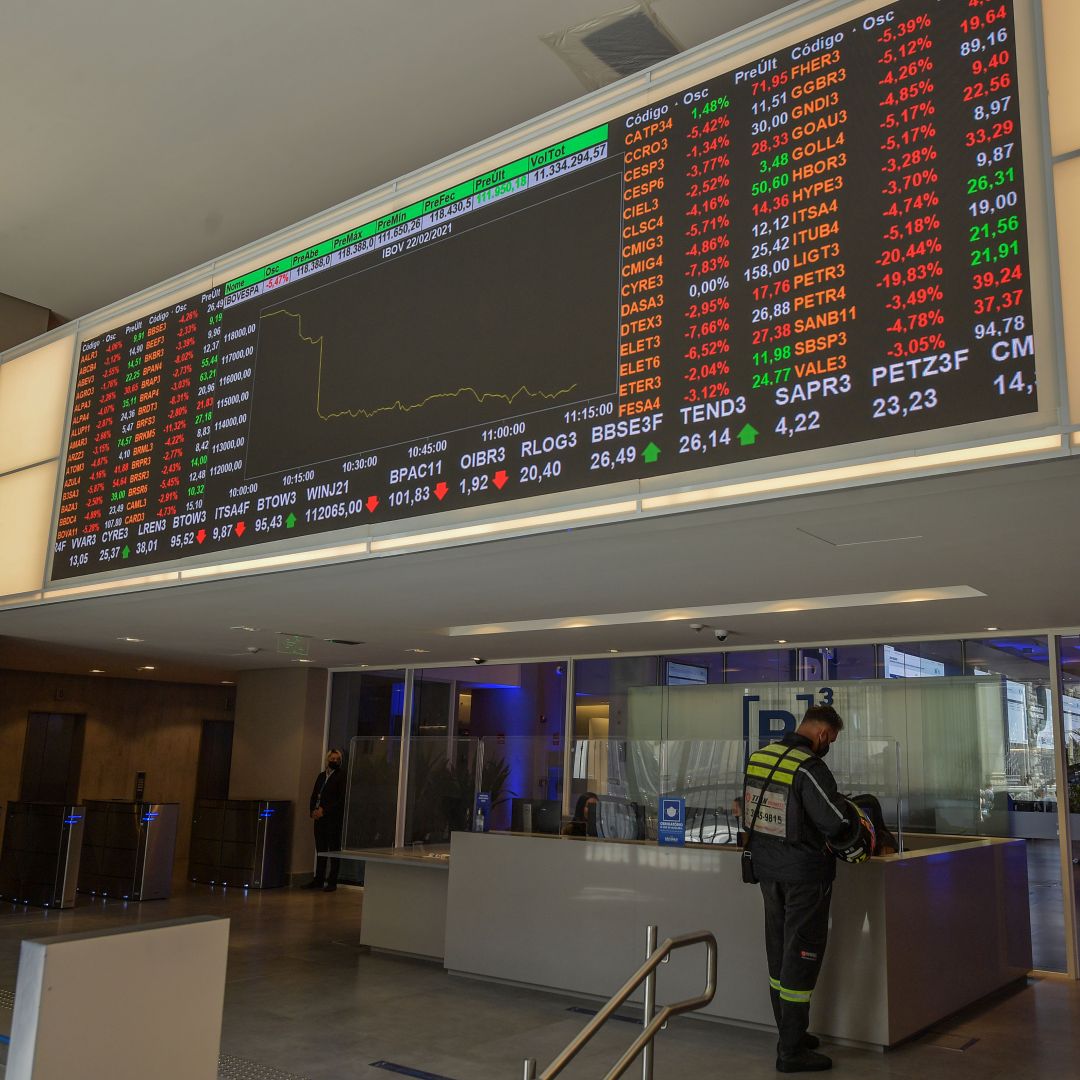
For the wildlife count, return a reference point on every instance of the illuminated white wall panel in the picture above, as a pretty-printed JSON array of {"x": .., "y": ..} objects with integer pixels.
[
  {"x": 26, "y": 502},
  {"x": 1061, "y": 20},
  {"x": 33, "y": 404},
  {"x": 1067, "y": 194}
]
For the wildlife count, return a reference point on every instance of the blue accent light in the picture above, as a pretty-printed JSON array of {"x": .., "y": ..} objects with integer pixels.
[
  {"x": 397, "y": 699},
  {"x": 268, "y": 812},
  {"x": 73, "y": 819}
]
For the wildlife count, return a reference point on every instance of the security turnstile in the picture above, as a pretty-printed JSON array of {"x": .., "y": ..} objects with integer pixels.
[
  {"x": 128, "y": 849},
  {"x": 39, "y": 861},
  {"x": 241, "y": 842}
]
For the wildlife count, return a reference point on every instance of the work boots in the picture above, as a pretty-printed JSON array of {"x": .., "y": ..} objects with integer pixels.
[
  {"x": 796, "y": 1016},
  {"x": 804, "y": 1061}
]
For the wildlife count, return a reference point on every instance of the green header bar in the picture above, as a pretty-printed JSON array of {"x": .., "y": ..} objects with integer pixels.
[{"x": 514, "y": 169}]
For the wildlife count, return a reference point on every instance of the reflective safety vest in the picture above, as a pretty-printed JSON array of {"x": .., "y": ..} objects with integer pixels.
[{"x": 770, "y": 778}]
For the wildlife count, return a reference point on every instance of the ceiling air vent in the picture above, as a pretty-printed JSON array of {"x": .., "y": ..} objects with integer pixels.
[{"x": 615, "y": 45}]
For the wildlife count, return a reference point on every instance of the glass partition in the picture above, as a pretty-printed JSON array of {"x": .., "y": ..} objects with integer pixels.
[
  {"x": 369, "y": 704},
  {"x": 608, "y": 698},
  {"x": 511, "y": 700},
  {"x": 953, "y": 737},
  {"x": 442, "y": 787},
  {"x": 616, "y": 785},
  {"x": 371, "y": 796},
  {"x": 524, "y": 777},
  {"x": 624, "y": 776}
]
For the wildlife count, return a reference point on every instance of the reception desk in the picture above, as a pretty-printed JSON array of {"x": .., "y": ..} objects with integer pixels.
[
  {"x": 914, "y": 937},
  {"x": 404, "y": 899}
]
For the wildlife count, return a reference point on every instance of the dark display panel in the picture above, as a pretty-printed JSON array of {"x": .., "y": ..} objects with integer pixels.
[{"x": 826, "y": 246}]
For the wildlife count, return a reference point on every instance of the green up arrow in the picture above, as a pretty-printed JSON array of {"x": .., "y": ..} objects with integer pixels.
[
  {"x": 126, "y": 552},
  {"x": 651, "y": 453},
  {"x": 748, "y": 435},
  {"x": 290, "y": 521}
]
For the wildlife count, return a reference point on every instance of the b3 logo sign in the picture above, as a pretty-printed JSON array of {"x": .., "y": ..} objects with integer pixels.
[
  {"x": 768, "y": 725},
  {"x": 772, "y": 724}
]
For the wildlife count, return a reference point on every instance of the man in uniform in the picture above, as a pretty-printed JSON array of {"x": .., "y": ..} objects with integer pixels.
[{"x": 793, "y": 817}]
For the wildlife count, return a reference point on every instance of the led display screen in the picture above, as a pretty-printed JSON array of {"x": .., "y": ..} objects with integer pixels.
[{"x": 825, "y": 246}]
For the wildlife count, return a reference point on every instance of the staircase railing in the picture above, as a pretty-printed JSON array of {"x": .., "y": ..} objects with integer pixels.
[{"x": 651, "y": 1024}]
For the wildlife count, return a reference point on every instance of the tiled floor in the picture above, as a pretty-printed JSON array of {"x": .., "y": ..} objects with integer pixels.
[{"x": 303, "y": 999}]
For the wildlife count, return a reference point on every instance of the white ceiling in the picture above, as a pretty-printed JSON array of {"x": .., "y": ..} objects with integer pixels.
[
  {"x": 140, "y": 140},
  {"x": 1006, "y": 532},
  {"x": 143, "y": 139}
]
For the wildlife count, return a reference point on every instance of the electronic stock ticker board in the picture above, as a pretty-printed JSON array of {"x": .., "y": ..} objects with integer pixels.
[{"x": 825, "y": 246}]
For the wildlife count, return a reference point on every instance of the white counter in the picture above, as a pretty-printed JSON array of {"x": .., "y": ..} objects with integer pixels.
[
  {"x": 914, "y": 937},
  {"x": 404, "y": 899}
]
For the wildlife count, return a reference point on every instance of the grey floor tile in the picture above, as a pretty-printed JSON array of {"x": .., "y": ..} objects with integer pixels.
[{"x": 303, "y": 997}]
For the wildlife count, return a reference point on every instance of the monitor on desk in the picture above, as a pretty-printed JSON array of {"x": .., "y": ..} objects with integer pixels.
[{"x": 536, "y": 816}]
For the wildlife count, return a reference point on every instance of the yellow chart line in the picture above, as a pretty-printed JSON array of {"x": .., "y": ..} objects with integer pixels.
[{"x": 480, "y": 395}]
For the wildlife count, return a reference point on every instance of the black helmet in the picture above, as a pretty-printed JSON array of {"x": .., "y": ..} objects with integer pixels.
[{"x": 861, "y": 846}]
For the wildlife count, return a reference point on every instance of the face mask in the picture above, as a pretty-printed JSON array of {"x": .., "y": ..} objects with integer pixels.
[
  {"x": 333, "y": 766},
  {"x": 824, "y": 750}
]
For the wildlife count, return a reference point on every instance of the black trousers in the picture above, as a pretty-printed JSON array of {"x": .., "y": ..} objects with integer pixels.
[
  {"x": 796, "y": 932},
  {"x": 327, "y": 838}
]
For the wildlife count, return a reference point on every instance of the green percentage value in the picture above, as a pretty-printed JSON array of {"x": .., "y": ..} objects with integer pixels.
[{"x": 707, "y": 108}]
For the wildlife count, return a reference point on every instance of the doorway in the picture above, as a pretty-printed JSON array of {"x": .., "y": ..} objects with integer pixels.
[
  {"x": 215, "y": 760},
  {"x": 52, "y": 757}
]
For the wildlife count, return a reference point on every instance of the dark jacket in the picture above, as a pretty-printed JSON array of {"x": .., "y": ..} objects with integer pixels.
[
  {"x": 800, "y": 812},
  {"x": 329, "y": 795}
]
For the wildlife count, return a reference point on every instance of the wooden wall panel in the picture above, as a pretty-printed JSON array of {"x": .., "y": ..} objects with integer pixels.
[{"x": 131, "y": 726}]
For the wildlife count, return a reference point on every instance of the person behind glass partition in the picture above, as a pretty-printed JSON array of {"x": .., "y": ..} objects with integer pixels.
[{"x": 583, "y": 823}]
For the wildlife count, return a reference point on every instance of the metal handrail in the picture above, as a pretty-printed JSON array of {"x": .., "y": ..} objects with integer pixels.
[{"x": 653, "y": 1024}]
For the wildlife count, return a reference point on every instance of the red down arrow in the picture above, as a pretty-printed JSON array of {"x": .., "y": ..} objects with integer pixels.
[{"x": 499, "y": 479}]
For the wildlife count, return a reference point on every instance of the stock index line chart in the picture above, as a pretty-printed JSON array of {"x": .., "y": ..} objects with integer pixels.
[{"x": 327, "y": 412}]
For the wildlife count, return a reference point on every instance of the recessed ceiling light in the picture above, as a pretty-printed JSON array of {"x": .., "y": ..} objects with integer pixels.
[
  {"x": 133, "y": 640},
  {"x": 613, "y": 650},
  {"x": 301, "y": 660},
  {"x": 993, "y": 628},
  {"x": 97, "y": 671},
  {"x": 227, "y": 682},
  {"x": 781, "y": 641},
  {"x": 418, "y": 650},
  {"x": 147, "y": 667},
  {"x": 249, "y": 629}
]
